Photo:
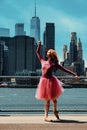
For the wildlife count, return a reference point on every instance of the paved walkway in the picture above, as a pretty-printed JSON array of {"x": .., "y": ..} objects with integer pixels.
[{"x": 36, "y": 122}]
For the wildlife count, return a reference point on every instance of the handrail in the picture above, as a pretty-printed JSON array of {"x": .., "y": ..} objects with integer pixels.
[
  {"x": 28, "y": 110},
  {"x": 32, "y": 81},
  {"x": 60, "y": 77}
]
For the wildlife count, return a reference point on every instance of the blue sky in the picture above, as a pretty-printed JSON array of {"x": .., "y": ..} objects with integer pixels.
[{"x": 68, "y": 16}]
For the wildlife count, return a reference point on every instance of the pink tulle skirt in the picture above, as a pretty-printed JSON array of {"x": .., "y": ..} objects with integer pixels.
[{"x": 49, "y": 88}]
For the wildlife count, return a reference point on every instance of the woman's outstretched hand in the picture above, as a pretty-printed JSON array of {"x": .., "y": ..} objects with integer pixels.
[
  {"x": 77, "y": 77},
  {"x": 39, "y": 43}
]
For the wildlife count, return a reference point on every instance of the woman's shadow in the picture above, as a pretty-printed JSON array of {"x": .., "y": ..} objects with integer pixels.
[{"x": 67, "y": 121}]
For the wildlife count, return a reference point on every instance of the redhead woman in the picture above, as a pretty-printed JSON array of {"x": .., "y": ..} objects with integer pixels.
[{"x": 49, "y": 87}]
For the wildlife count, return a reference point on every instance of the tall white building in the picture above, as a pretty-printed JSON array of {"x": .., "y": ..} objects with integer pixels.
[
  {"x": 19, "y": 29},
  {"x": 35, "y": 27},
  {"x": 5, "y": 32}
]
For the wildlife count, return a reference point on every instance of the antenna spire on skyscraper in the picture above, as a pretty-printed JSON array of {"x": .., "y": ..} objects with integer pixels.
[
  {"x": 35, "y": 8},
  {"x": 35, "y": 25}
]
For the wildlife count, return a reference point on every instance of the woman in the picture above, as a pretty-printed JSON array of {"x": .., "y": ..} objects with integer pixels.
[{"x": 49, "y": 87}]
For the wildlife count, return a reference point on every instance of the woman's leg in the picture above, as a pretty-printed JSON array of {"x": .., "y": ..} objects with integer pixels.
[
  {"x": 55, "y": 108},
  {"x": 47, "y": 105}
]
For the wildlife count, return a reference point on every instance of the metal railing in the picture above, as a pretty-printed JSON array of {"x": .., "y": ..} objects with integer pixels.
[
  {"x": 32, "y": 81},
  {"x": 64, "y": 77},
  {"x": 39, "y": 110}
]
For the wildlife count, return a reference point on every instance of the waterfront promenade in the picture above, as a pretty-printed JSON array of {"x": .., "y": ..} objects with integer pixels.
[{"x": 36, "y": 122}]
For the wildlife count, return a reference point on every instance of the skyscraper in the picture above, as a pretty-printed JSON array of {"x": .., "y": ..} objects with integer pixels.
[
  {"x": 76, "y": 54},
  {"x": 64, "y": 52},
  {"x": 21, "y": 54},
  {"x": 19, "y": 29},
  {"x": 80, "y": 57},
  {"x": 79, "y": 50},
  {"x": 49, "y": 36},
  {"x": 35, "y": 27},
  {"x": 73, "y": 47},
  {"x": 4, "y": 32},
  {"x": 1, "y": 57}
]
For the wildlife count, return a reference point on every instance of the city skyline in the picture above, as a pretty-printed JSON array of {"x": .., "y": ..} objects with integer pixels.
[{"x": 68, "y": 17}]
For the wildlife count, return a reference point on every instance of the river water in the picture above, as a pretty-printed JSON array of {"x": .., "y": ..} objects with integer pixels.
[{"x": 24, "y": 99}]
